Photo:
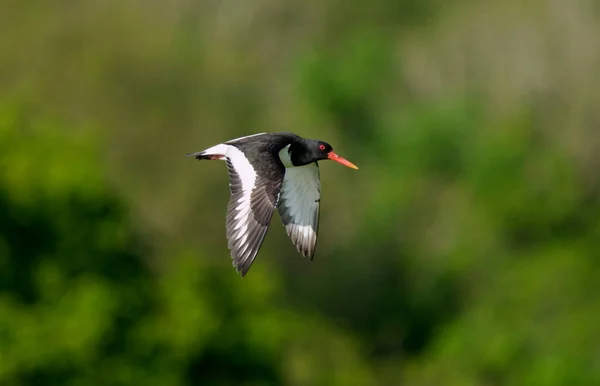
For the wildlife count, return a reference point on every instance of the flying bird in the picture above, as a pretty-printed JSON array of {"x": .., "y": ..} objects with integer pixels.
[{"x": 269, "y": 171}]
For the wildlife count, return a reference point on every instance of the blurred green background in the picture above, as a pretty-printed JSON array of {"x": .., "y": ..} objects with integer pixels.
[{"x": 463, "y": 252}]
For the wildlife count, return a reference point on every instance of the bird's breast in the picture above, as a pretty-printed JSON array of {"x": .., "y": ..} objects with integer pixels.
[{"x": 284, "y": 156}]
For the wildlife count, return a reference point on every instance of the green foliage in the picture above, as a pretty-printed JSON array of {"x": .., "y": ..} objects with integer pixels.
[
  {"x": 463, "y": 252},
  {"x": 81, "y": 306}
]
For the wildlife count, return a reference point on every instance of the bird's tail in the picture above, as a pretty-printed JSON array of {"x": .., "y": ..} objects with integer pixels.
[
  {"x": 202, "y": 155},
  {"x": 212, "y": 153}
]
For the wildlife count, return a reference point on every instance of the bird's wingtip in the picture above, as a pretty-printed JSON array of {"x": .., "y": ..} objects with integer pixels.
[{"x": 240, "y": 269}]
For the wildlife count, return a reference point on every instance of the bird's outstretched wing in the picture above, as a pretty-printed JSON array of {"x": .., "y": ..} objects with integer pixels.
[
  {"x": 299, "y": 206},
  {"x": 254, "y": 197}
]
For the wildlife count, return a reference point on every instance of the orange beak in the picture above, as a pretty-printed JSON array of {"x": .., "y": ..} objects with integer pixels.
[{"x": 334, "y": 157}]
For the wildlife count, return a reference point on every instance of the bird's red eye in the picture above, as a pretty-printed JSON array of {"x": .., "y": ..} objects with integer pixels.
[{"x": 322, "y": 147}]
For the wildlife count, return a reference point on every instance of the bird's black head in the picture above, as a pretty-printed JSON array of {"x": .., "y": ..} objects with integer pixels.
[{"x": 306, "y": 151}]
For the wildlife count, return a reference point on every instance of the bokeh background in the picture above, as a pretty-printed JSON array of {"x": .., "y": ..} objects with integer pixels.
[{"x": 465, "y": 251}]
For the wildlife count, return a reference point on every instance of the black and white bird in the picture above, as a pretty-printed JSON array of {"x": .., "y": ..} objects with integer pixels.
[{"x": 271, "y": 171}]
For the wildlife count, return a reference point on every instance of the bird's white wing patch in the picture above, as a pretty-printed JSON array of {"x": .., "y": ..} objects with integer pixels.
[
  {"x": 242, "y": 167},
  {"x": 299, "y": 206}
]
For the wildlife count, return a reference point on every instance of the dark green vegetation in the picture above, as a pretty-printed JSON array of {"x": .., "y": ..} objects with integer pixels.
[{"x": 463, "y": 252}]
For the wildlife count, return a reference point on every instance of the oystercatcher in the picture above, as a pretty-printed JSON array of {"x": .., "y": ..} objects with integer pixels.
[{"x": 268, "y": 171}]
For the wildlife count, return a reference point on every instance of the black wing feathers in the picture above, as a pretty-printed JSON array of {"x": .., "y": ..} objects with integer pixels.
[{"x": 249, "y": 214}]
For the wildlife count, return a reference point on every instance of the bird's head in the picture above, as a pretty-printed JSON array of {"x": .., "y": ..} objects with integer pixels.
[{"x": 306, "y": 151}]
